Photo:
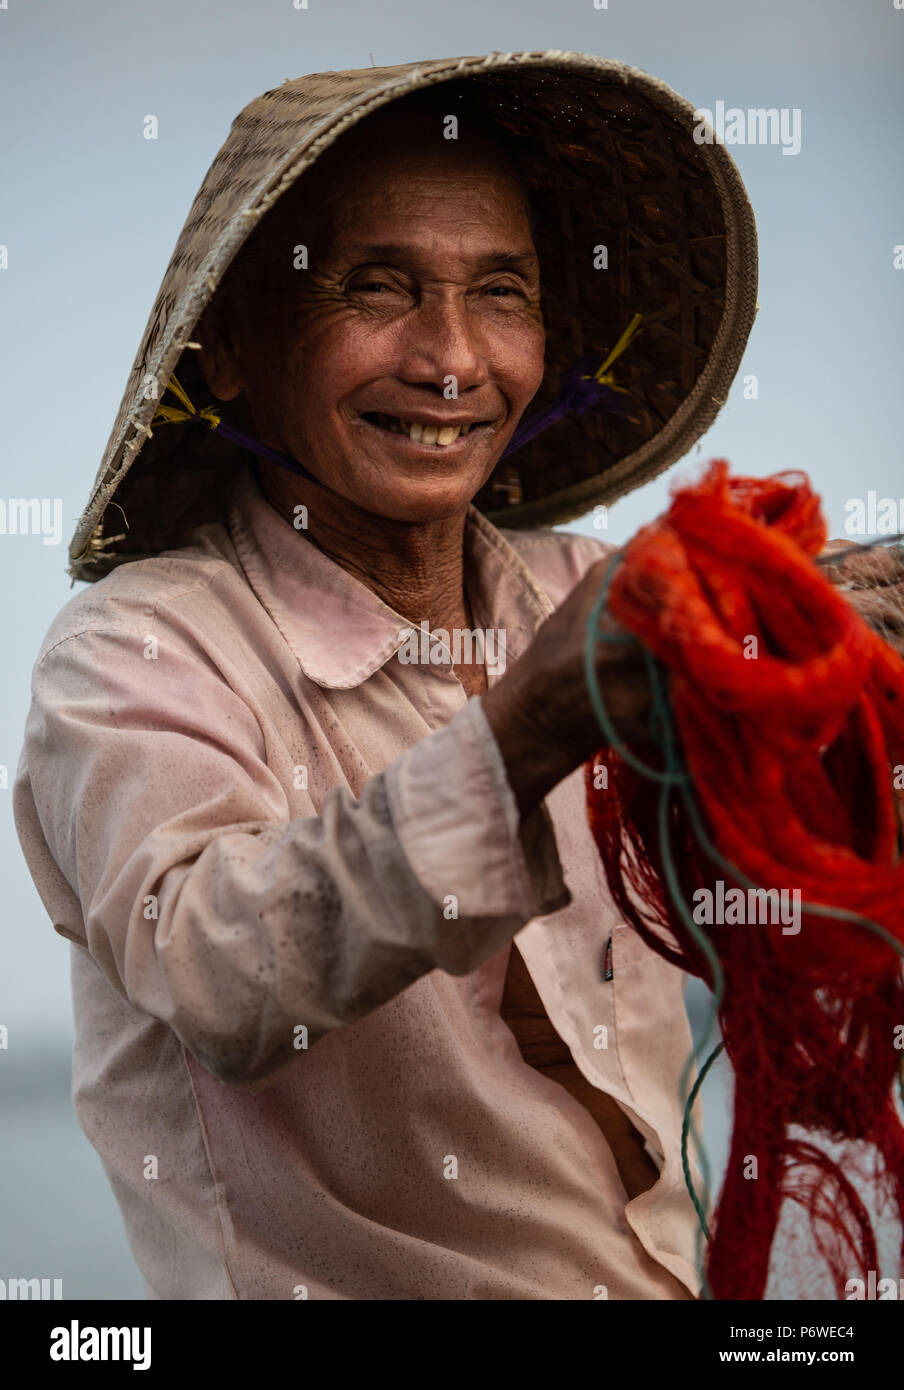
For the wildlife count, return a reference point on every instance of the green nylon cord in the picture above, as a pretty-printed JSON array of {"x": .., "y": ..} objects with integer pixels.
[{"x": 672, "y": 775}]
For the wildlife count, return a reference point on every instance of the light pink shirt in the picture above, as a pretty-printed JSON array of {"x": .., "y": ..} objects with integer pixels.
[{"x": 256, "y": 826}]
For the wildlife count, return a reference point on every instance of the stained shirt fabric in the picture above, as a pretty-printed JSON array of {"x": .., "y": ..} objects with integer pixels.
[{"x": 291, "y": 868}]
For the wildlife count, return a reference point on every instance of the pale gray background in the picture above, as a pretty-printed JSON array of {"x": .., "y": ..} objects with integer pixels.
[{"x": 90, "y": 212}]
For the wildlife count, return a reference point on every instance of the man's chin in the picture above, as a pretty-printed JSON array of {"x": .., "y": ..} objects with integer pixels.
[
  {"x": 418, "y": 505},
  {"x": 414, "y": 497}
]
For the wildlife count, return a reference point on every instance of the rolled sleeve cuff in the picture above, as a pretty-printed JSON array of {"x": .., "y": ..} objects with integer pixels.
[{"x": 458, "y": 823}]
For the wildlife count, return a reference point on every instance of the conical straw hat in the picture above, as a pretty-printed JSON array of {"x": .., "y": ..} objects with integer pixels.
[{"x": 610, "y": 161}]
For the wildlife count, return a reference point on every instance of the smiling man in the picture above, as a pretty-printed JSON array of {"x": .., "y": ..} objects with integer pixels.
[
  {"x": 356, "y": 1017},
  {"x": 423, "y": 276},
  {"x": 400, "y": 360}
]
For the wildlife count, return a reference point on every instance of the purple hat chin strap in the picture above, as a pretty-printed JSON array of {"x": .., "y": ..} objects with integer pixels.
[
  {"x": 580, "y": 389},
  {"x": 579, "y": 392},
  {"x": 263, "y": 451}
]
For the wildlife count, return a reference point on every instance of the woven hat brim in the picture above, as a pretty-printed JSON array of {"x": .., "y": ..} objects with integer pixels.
[{"x": 683, "y": 235}]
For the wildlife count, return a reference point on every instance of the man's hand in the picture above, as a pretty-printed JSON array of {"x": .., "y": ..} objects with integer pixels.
[
  {"x": 874, "y": 582},
  {"x": 540, "y": 710}
]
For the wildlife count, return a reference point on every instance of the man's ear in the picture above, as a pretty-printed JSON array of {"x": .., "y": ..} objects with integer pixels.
[{"x": 217, "y": 356}]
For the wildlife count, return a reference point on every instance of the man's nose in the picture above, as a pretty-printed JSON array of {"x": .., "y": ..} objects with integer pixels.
[{"x": 444, "y": 339}]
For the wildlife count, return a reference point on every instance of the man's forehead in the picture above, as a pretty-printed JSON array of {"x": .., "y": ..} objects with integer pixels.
[
  {"x": 359, "y": 200},
  {"x": 520, "y": 257},
  {"x": 395, "y": 220},
  {"x": 410, "y": 175},
  {"x": 389, "y": 150}
]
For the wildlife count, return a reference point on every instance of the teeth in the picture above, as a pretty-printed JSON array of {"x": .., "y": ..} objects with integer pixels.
[{"x": 422, "y": 434}]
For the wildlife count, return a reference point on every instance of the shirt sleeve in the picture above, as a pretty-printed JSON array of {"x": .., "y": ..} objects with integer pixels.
[{"x": 209, "y": 908}]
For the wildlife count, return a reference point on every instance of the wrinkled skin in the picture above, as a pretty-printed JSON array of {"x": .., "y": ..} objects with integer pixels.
[{"x": 370, "y": 329}]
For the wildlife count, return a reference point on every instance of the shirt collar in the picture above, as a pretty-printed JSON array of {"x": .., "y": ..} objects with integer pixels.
[{"x": 339, "y": 630}]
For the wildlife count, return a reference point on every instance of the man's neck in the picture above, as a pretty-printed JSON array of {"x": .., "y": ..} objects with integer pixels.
[{"x": 416, "y": 568}]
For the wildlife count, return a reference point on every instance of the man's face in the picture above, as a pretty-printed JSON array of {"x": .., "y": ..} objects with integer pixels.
[{"x": 425, "y": 282}]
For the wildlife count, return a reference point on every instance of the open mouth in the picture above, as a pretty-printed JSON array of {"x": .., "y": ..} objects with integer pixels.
[{"x": 420, "y": 433}]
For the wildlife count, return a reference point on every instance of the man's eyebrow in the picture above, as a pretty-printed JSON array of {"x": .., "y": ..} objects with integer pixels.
[{"x": 388, "y": 251}]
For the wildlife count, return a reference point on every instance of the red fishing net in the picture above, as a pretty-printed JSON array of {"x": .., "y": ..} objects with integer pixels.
[{"x": 787, "y": 713}]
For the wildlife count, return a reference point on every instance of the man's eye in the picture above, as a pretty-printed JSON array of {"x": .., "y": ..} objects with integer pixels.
[
  {"x": 505, "y": 289},
  {"x": 370, "y": 285}
]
